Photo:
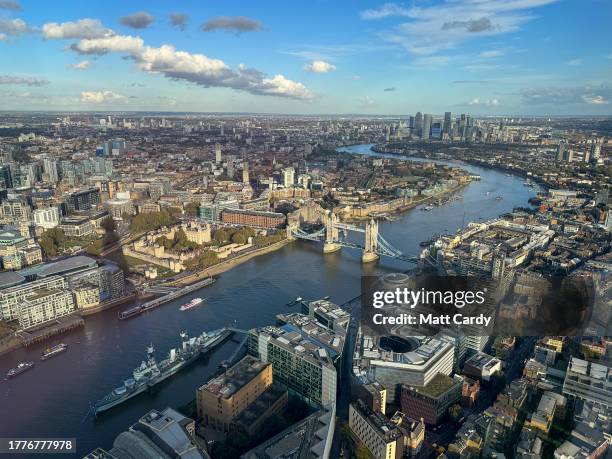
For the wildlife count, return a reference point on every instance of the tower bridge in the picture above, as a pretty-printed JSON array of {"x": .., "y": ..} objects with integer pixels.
[{"x": 333, "y": 234}]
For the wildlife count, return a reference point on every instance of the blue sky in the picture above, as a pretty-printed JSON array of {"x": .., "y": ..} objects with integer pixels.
[{"x": 514, "y": 57}]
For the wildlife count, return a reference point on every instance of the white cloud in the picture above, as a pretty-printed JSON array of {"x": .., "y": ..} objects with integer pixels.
[
  {"x": 492, "y": 53},
  {"x": 574, "y": 62},
  {"x": 83, "y": 65},
  {"x": 386, "y": 10},
  {"x": 14, "y": 5},
  {"x": 281, "y": 86},
  {"x": 193, "y": 67},
  {"x": 116, "y": 43},
  {"x": 83, "y": 28},
  {"x": 12, "y": 28},
  {"x": 367, "y": 102},
  {"x": 100, "y": 97},
  {"x": 319, "y": 67},
  {"x": 487, "y": 102},
  {"x": 22, "y": 80},
  {"x": 595, "y": 100},
  {"x": 436, "y": 27},
  {"x": 572, "y": 95},
  {"x": 430, "y": 61}
]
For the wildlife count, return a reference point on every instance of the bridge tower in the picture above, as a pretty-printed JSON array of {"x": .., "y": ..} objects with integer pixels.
[
  {"x": 292, "y": 226},
  {"x": 371, "y": 242},
  {"x": 331, "y": 233}
]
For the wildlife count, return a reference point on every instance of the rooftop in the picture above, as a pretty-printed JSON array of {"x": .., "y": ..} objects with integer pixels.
[
  {"x": 10, "y": 279},
  {"x": 586, "y": 368},
  {"x": 307, "y": 439},
  {"x": 482, "y": 361},
  {"x": 235, "y": 378},
  {"x": 439, "y": 385}
]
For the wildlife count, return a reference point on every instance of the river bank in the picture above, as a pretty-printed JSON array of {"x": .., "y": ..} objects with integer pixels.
[
  {"x": 226, "y": 265},
  {"x": 412, "y": 204},
  {"x": 519, "y": 173}
]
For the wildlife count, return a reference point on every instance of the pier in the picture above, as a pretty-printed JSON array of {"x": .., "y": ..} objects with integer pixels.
[
  {"x": 61, "y": 325},
  {"x": 165, "y": 299}
]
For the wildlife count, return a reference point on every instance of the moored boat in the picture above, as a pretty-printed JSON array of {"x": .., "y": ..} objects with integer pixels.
[{"x": 53, "y": 351}]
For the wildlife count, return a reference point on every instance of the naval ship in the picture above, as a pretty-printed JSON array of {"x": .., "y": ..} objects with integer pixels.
[{"x": 151, "y": 372}]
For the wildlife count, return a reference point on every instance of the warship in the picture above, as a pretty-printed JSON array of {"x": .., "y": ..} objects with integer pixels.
[{"x": 151, "y": 372}]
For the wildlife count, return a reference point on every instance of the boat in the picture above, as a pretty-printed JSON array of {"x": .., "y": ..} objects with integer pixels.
[
  {"x": 498, "y": 198},
  {"x": 131, "y": 312},
  {"x": 427, "y": 208},
  {"x": 426, "y": 243},
  {"x": 192, "y": 304},
  {"x": 151, "y": 372},
  {"x": 296, "y": 301},
  {"x": 23, "y": 366},
  {"x": 53, "y": 351},
  {"x": 135, "y": 310}
]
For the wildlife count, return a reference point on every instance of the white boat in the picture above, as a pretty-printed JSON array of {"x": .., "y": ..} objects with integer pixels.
[{"x": 192, "y": 304}]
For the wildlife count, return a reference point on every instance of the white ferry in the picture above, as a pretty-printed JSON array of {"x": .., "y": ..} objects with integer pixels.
[{"x": 192, "y": 304}]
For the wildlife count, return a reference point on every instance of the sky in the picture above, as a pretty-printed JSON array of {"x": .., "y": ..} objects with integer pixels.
[{"x": 485, "y": 57}]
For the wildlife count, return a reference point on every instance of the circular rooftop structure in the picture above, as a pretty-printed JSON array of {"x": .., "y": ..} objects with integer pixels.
[{"x": 398, "y": 344}]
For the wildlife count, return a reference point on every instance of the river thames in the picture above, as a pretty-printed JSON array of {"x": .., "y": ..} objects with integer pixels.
[{"x": 52, "y": 399}]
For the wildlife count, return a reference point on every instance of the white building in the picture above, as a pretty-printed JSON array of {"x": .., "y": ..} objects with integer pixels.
[
  {"x": 288, "y": 177},
  {"x": 47, "y": 218},
  {"x": 43, "y": 305}
]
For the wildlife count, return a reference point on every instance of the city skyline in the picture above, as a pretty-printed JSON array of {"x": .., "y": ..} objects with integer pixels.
[{"x": 486, "y": 57}]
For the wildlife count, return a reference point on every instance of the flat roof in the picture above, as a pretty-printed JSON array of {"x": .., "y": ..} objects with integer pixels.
[
  {"x": 67, "y": 265},
  {"x": 10, "y": 279},
  {"x": 439, "y": 384},
  {"x": 235, "y": 378}
]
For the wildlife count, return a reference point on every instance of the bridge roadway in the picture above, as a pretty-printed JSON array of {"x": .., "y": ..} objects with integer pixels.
[{"x": 382, "y": 248}]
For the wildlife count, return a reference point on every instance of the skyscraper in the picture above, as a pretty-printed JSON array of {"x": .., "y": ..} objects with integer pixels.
[
  {"x": 218, "y": 157},
  {"x": 447, "y": 123},
  {"x": 425, "y": 133},
  {"x": 418, "y": 123},
  {"x": 288, "y": 177},
  {"x": 50, "y": 169},
  {"x": 436, "y": 130},
  {"x": 245, "y": 172},
  {"x": 560, "y": 151}
]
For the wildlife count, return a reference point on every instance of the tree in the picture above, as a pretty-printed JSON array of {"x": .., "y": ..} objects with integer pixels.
[
  {"x": 150, "y": 221},
  {"x": 361, "y": 452},
  {"x": 455, "y": 412},
  {"x": 345, "y": 432},
  {"x": 239, "y": 238},
  {"x": 203, "y": 260},
  {"x": 220, "y": 236},
  {"x": 108, "y": 225},
  {"x": 191, "y": 208},
  {"x": 48, "y": 247},
  {"x": 51, "y": 241}
]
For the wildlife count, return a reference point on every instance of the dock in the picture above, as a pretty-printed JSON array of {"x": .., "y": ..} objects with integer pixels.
[
  {"x": 166, "y": 298},
  {"x": 56, "y": 327}
]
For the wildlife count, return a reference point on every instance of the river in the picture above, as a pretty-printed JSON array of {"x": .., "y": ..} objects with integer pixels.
[{"x": 52, "y": 399}]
